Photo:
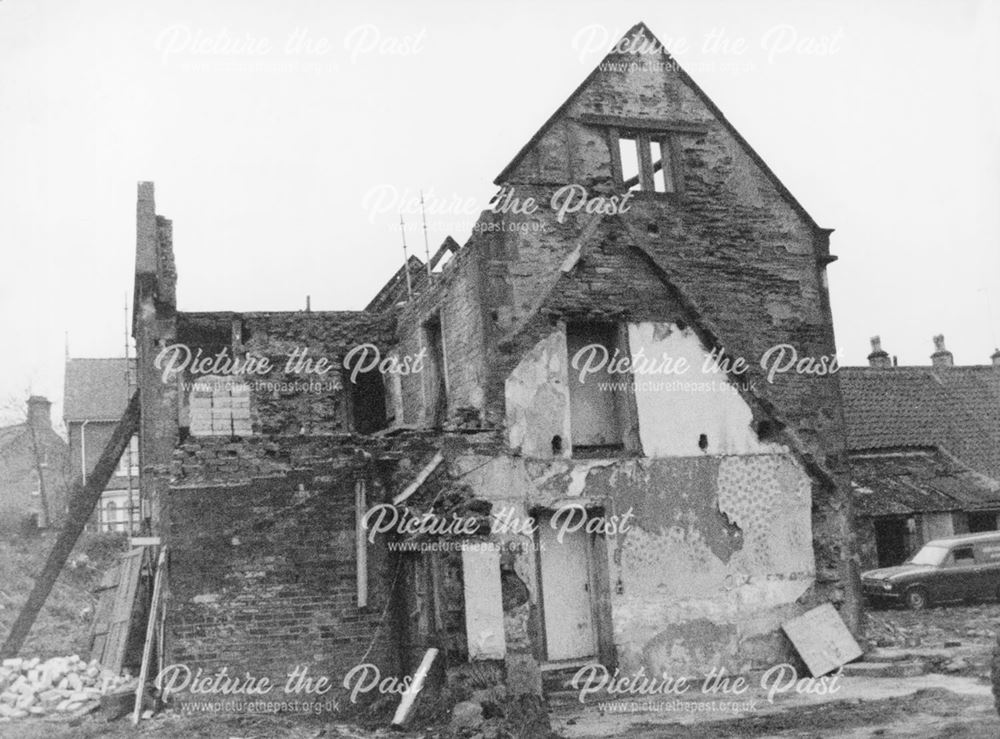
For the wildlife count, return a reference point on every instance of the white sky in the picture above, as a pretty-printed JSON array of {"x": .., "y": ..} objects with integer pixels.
[{"x": 268, "y": 156}]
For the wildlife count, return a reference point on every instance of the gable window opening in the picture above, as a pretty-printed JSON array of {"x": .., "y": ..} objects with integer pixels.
[{"x": 646, "y": 163}]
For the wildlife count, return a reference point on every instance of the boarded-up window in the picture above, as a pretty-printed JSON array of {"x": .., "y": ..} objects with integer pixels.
[{"x": 220, "y": 406}]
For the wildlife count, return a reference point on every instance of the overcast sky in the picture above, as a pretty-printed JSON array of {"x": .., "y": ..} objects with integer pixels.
[{"x": 284, "y": 138}]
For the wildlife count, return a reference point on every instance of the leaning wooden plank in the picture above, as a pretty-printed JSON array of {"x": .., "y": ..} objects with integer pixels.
[
  {"x": 124, "y": 607},
  {"x": 147, "y": 649},
  {"x": 83, "y": 498},
  {"x": 419, "y": 479},
  {"x": 410, "y": 695}
]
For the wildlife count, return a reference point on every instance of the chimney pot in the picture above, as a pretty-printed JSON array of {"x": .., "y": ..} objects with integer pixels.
[
  {"x": 941, "y": 356},
  {"x": 879, "y": 356},
  {"x": 995, "y": 357}
]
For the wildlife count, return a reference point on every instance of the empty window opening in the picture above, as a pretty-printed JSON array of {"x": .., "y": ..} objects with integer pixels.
[
  {"x": 437, "y": 381},
  {"x": 647, "y": 163},
  {"x": 628, "y": 149},
  {"x": 702, "y": 442},
  {"x": 663, "y": 179},
  {"x": 557, "y": 446},
  {"x": 597, "y": 398},
  {"x": 367, "y": 401}
]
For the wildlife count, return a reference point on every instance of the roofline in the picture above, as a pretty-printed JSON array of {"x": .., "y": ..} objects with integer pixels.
[
  {"x": 978, "y": 536},
  {"x": 686, "y": 78}
]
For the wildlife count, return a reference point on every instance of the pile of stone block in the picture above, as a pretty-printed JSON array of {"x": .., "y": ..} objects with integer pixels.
[{"x": 67, "y": 685}]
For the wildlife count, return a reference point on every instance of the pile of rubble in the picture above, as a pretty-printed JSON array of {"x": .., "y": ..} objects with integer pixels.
[{"x": 69, "y": 685}]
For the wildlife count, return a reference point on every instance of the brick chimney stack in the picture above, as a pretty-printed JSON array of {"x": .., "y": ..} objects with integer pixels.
[
  {"x": 39, "y": 413},
  {"x": 941, "y": 356},
  {"x": 879, "y": 356}
]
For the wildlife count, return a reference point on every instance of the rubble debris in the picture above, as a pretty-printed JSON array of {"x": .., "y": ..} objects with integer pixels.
[{"x": 59, "y": 685}]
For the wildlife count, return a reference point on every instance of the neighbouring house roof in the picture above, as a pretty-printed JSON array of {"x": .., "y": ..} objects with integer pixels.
[
  {"x": 957, "y": 408},
  {"x": 903, "y": 482},
  {"x": 9, "y": 433},
  {"x": 97, "y": 389}
]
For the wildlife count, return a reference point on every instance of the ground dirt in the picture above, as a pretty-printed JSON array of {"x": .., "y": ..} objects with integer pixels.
[
  {"x": 951, "y": 700},
  {"x": 63, "y": 626}
]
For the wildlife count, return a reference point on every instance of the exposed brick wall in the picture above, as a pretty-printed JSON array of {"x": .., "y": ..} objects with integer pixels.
[
  {"x": 262, "y": 572},
  {"x": 292, "y": 401}
]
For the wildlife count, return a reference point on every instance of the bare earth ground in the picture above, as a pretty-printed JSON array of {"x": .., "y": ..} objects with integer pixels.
[
  {"x": 951, "y": 700},
  {"x": 63, "y": 626}
]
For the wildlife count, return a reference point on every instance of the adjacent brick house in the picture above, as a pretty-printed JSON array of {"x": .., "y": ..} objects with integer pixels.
[
  {"x": 32, "y": 467},
  {"x": 96, "y": 391},
  {"x": 735, "y": 484},
  {"x": 924, "y": 446}
]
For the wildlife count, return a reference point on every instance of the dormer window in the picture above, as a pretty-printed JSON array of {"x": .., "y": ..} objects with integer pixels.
[{"x": 646, "y": 162}]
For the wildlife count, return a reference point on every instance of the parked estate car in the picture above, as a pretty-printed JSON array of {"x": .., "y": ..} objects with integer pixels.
[{"x": 956, "y": 568}]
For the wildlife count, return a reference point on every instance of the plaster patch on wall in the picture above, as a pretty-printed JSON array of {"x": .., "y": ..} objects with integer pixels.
[
  {"x": 484, "y": 615},
  {"x": 768, "y": 498},
  {"x": 677, "y": 409},
  {"x": 537, "y": 399},
  {"x": 681, "y": 564}
]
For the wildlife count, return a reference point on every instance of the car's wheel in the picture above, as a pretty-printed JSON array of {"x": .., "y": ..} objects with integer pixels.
[
  {"x": 995, "y": 674},
  {"x": 916, "y": 599}
]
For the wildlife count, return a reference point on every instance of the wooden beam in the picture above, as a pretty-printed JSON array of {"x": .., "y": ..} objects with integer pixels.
[
  {"x": 83, "y": 498},
  {"x": 626, "y": 125},
  {"x": 645, "y": 163},
  {"x": 420, "y": 479},
  {"x": 361, "y": 542},
  {"x": 151, "y": 631}
]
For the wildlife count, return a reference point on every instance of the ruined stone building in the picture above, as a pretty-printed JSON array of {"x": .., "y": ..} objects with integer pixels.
[
  {"x": 924, "y": 445},
  {"x": 720, "y": 501}
]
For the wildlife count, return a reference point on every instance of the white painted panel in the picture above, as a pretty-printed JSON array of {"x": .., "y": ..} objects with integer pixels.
[
  {"x": 483, "y": 604},
  {"x": 676, "y": 409},
  {"x": 569, "y": 627}
]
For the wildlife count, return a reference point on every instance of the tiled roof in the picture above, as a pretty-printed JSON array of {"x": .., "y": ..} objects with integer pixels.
[
  {"x": 900, "y": 483},
  {"x": 957, "y": 408},
  {"x": 96, "y": 389}
]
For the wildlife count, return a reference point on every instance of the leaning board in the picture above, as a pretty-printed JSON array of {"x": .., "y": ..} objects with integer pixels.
[{"x": 822, "y": 639}]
